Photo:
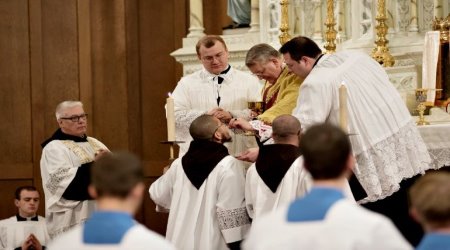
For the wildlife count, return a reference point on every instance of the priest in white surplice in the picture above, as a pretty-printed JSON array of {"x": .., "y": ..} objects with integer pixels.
[
  {"x": 323, "y": 218},
  {"x": 388, "y": 148},
  {"x": 217, "y": 89},
  {"x": 204, "y": 191},
  {"x": 66, "y": 161},
  {"x": 277, "y": 177},
  {"x": 386, "y": 143}
]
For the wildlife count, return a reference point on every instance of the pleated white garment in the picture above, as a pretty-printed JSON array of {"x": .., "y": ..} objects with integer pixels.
[{"x": 386, "y": 142}]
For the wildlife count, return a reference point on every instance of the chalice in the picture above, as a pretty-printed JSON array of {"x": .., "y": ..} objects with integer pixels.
[
  {"x": 421, "y": 98},
  {"x": 256, "y": 108}
]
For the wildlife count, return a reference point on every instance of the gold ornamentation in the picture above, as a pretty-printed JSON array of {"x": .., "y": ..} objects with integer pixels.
[
  {"x": 330, "y": 34},
  {"x": 381, "y": 52},
  {"x": 79, "y": 151},
  {"x": 442, "y": 25},
  {"x": 284, "y": 27}
]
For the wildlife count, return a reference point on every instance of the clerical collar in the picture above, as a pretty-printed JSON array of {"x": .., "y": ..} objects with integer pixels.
[
  {"x": 59, "y": 135},
  {"x": 226, "y": 70},
  {"x": 274, "y": 161},
  {"x": 318, "y": 58},
  {"x": 20, "y": 218}
]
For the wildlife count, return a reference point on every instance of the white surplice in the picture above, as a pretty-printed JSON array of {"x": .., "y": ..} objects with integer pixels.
[
  {"x": 346, "y": 226},
  {"x": 13, "y": 233},
  {"x": 384, "y": 137},
  {"x": 260, "y": 199},
  {"x": 197, "y": 94},
  {"x": 137, "y": 237},
  {"x": 59, "y": 164},
  {"x": 208, "y": 217}
]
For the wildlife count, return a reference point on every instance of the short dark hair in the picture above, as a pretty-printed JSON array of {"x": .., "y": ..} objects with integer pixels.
[
  {"x": 285, "y": 126},
  {"x": 208, "y": 41},
  {"x": 430, "y": 197},
  {"x": 21, "y": 188},
  {"x": 326, "y": 149},
  {"x": 203, "y": 127},
  {"x": 116, "y": 174},
  {"x": 299, "y": 47}
]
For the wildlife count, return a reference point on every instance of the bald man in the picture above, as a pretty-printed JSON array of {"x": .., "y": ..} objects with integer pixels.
[
  {"x": 204, "y": 191},
  {"x": 277, "y": 177}
]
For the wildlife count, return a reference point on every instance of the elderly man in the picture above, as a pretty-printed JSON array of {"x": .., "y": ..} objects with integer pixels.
[
  {"x": 117, "y": 185},
  {"x": 204, "y": 191},
  {"x": 281, "y": 87},
  {"x": 66, "y": 163},
  {"x": 26, "y": 230},
  {"x": 218, "y": 89}
]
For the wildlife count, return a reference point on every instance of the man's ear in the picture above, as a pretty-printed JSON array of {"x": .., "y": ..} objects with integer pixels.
[
  {"x": 16, "y": 202},
  {"x": 218, "y": 136},
  {"x": 138, "y": 191},
  {"x": 92, "y": 191},
  {"x": 415, "y": 215}
]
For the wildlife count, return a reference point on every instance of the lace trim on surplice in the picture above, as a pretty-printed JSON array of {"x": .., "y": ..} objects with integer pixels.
[
  {"x": 232, "y": 218},
  {"x": 383, "y": 166},
  {"x": 63, "y": 173}
]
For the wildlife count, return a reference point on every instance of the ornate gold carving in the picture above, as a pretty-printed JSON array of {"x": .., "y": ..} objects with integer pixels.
[
  {"x": 330, "y": 34},
  {"x": 443, "y": 26},
  {"x": 284, "y": 27},
  {"x": 381, "y": 52}
]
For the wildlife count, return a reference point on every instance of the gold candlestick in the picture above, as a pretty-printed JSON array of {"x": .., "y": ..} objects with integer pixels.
[
  {"x": 421, "y": 108},
  {"x": 330, "y": 34},
  {"x": 381, "y": 52},
  {"x": 284, "y": 27}
]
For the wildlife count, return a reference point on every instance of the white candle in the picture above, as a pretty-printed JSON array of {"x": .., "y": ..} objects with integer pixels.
[
  {"x": 343, "y": 113},
  {"x": 170, "y": 115}
]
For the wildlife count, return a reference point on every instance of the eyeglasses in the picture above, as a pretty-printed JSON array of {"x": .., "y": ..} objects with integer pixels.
[
  {"x": 217, "y": 128},
  {"x": 218, "y": 56},
  {"x": 75, "y": 118}
]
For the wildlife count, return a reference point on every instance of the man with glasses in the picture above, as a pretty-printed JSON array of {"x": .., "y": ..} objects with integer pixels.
[
  {"x": 281, "y": 86},
  {"x": 204, "y": 191},
  {"x": 66, "y": 162},
  {"x": 217, "y": 89}
]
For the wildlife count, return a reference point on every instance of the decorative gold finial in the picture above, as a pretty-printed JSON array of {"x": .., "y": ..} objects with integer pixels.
[
  {"x": 381, "y": 52},
  {"x": 284, "y": 28},
  {"x": 442, "y": 25},
  {"x": 330, "y": 34}
]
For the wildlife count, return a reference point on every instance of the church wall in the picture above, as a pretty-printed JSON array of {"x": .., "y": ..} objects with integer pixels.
[{"x": 111, "y": 55}]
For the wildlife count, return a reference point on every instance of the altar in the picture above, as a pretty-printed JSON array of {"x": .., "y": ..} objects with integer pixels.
[{"x": 436, "y": 136}]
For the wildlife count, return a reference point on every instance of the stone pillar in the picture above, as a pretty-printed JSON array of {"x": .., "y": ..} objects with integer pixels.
[
  {"x": 414, "y": 27},
  {"x": 318, "y": 24},
  {"x": 196, "y": 19},
  {"x": 254, "y": 22}
]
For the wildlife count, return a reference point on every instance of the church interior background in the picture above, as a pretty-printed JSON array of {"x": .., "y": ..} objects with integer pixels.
[{"x": 122, "y": 57}]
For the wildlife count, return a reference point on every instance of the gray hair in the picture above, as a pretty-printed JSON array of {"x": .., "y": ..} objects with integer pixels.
[
  {"x": 261, "y": 53},
  {"x": 63, "y": 106}
]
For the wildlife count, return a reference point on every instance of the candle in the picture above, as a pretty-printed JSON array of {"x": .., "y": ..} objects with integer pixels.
[
  {"x": 343, "y": 122},
  {"x": 170, "y": 116}
]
